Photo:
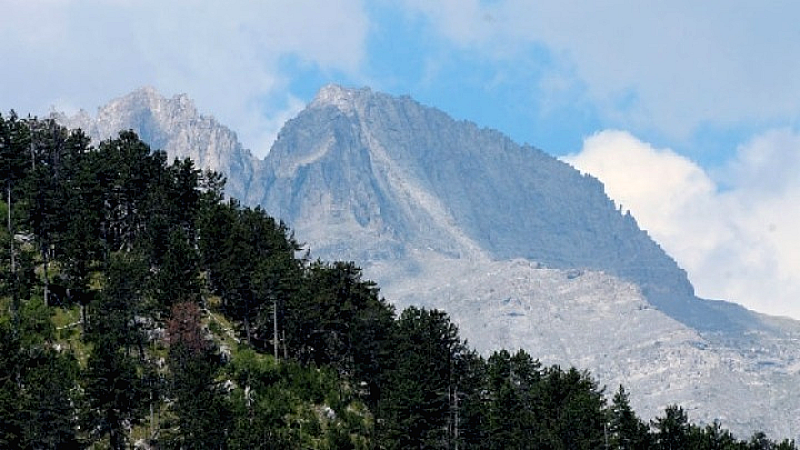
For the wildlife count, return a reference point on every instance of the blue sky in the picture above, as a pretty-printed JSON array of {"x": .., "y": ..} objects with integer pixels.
[{"x": 688, "y": 111}]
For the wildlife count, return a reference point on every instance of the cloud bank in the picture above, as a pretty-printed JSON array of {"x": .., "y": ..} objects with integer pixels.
[
  {"x": 733, "y": 230},
  {"x": 230, "y": 57},
  {"x": 669, "y": 67},
  {"x": 665, "y": 71}
]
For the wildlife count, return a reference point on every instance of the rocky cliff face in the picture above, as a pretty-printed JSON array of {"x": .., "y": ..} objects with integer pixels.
[{"x": 520, "y": 248}]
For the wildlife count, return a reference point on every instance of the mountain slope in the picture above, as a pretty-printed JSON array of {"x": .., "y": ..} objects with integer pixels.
[{"x": 520, "y": 248}]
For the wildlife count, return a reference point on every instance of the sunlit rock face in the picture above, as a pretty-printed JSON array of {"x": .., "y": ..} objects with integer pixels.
[{"x": 522, "y": 250}]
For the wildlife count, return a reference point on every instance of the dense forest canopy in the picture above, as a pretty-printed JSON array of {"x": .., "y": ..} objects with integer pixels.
[{"x": 141, "y": 307}]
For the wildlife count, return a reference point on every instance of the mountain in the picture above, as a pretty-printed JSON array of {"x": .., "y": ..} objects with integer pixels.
[
  {"x": 390, "y": 175},
  {"x": 520, "y": 248}
]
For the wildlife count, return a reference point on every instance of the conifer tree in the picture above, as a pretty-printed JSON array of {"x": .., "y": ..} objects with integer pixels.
[
  {"x": 116, "y": 392},
  {"x": 713, "y": 437},
  {"x": 514, "y": 419},
  {"x": 177, "y": 278},
  {"x": 10, "y": 369},
  {"x": 14, "y": 151},
  {"x": 416, "y": 408},
  {"x": 45, "y": 197},
  {"x": 48, "y": 401},
  {"x": 625, "y": 430},
  {"x": 672, "y": 430},
  {"x": 38, "y": 384},
  {"x": 199, "y": 400}
]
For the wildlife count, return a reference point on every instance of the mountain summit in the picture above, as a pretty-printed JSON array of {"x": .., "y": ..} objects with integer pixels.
[{"x": 520, "y": 248}]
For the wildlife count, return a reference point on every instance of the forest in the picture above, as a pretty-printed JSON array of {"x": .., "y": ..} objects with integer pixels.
[{"x": 141, "y": 308}]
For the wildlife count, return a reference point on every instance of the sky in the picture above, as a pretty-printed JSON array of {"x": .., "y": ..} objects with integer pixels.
[{"x": 688, "y": 112}]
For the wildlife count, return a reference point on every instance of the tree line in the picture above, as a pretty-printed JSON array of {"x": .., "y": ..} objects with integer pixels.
[{"x": 140, "y": 307}]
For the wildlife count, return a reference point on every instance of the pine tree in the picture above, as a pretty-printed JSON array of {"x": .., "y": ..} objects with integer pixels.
[
  {"x": 14, "y": 156},
  {"x": 416, "y": 408},
  {"x": 672, "y": 430},
  {"x": 177, "y": 278},
  {"x": 126, "y": 168},
  {"x": 45, "y": 196},
  {"x": 249, "y": 256},
  {"x": 625, "y": 430},
  {"x": 338, "y": 319},
  {"x": 712, "y": 437},
  {"x": 48, "y": 400},
  {"x": 199, "y": 401},
  {"x": 469, "y": 412},
  {"x": 116, "y": 391},
  {"x": 38, "y": 384},
  {"x": 574, "y": 408},
  {"x": 11, "y": 363},
  {"x": 514, "y": 404}
]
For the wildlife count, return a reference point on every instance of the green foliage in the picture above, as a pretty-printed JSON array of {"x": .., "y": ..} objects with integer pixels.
[
  {"x": 512, "y": 413},
  {"x": 47, "y": 409},
  {"x": 534, "y": 407},
  {"x": 713, "y": 437},
  {"x": 36, "y": 326},
  {"x": 38, "y": 385},
  {"x": 10, "y": 366},
  {"x": 580, "y": 408},
  {"x": 251, "y": 264},
  {"x": 115, "y": 386},
  {"x": 338, "y": 319},
  {"x": 178, "y": 277},
  {"x": 115, "y": 392},
  {"x": 286, "y": 405}
]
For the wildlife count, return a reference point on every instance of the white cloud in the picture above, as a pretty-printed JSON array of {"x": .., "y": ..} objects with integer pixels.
[
  {"x": 737, "y": 243},
  {"x": 665, "y": 66},
  {"x": 227, "y": 56}
]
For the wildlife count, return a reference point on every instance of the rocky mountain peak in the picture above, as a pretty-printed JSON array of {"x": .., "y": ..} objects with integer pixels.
[
  {"x": 148, "y": 105},
  {"x": 348, "y": 100},
  {"x": 144, "y": 93}
]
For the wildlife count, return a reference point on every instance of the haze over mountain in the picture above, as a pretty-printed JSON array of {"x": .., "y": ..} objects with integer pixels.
[{"x": 520, "y": 248}]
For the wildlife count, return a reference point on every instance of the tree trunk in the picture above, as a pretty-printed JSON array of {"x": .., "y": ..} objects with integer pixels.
[
  {"x": 247, "y": 329},
  {"x": 115, "y": 439},
  {"x": 46, "y": 258},
  {"x": 83, "y": 319},
  {"x": 275, "y": 329},
  {"x": 14, "y": 287}
]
